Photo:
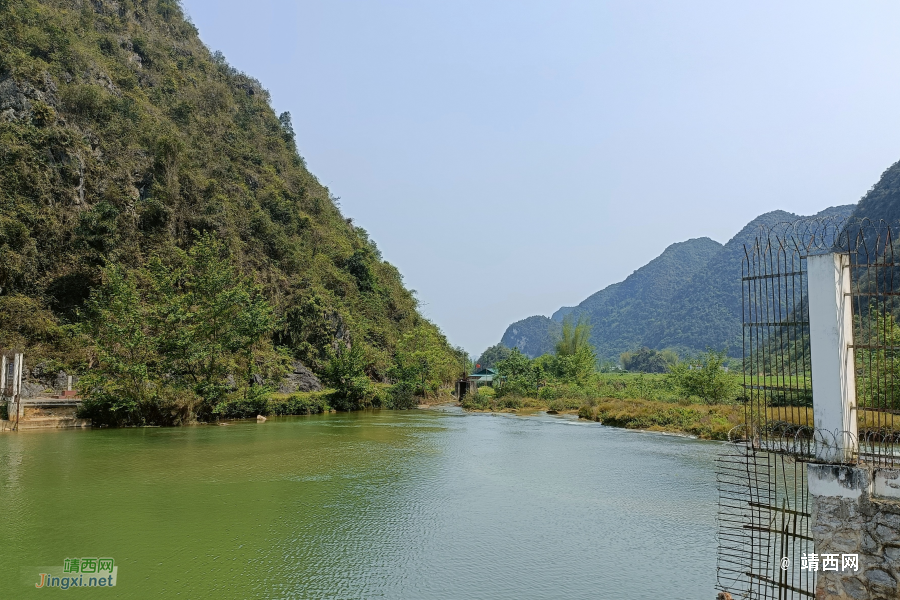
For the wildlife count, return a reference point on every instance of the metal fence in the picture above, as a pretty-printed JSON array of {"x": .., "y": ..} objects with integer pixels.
[
  {"x": 875, "y": 295},
  {"x": 764, "y": 516}
]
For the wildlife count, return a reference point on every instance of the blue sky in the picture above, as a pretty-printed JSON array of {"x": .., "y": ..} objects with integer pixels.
[{"x": 514, "y": 157}]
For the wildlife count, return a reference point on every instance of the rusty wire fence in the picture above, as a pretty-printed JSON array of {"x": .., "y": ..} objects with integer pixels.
[
  {"x": 764, "y": 521},
  {"x": 875, "y": 295}
]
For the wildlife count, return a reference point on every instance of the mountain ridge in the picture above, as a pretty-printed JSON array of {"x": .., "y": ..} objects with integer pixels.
[{"x": 682, "y": 302}]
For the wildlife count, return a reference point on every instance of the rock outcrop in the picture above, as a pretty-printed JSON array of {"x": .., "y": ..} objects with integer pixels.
[{"x": 301, "y": 379}]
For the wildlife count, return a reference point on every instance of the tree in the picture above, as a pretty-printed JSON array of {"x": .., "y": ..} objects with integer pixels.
[
  {"x": 493, "y": 355},
  {"x": 706, "y": 378},
  {"x": 576, "y": 359},
  {"x": 346, "y": 373},
  {"x": 287, "y": 128},
  {"x": 421, "y": 358},
  {"x": 122, "y": 386},
  {"x": 185, "y": 335},
  {"x": 521, "y": 375},
  {"x": 211, "y": 322},
  {"x": 646, "y": 360}
]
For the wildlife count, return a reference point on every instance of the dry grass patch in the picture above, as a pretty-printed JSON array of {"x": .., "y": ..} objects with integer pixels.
[{"x": 711, "y": 422}]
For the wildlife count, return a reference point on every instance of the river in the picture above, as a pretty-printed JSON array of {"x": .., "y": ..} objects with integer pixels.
[{"x": 422, "y": 504}]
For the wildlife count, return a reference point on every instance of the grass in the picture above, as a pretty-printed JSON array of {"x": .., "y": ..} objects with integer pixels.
[{"x": 704, "y": 421}]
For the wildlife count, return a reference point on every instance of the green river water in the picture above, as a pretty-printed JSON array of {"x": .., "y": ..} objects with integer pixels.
[{"x": 389, "y": 504}]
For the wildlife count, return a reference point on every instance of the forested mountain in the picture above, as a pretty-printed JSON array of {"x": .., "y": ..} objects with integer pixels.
[
  {"x": 687, "y": 299},
  {"x": 622, "y": 314},
  {"x": 883, "y": 200},
  {"x": 706, "y": 311},
  {"x": 123, "y": 138}
]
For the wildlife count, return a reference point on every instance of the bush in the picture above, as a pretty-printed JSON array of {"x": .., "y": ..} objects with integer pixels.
[
  {"x": 401, "y": 395},
  {"x": 481, "y": 401},
  {"x": 476, "y": 401},
  {"x": 302, "y": 403},
  {"x": 508, "y": 402},
  {"x": 706, "y": 378},
  {"x": 345, "y": 372},
  {"x": 256, "y": 403}
]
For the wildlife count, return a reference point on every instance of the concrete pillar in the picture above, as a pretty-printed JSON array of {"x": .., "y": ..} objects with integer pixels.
[
  {"x": 856, "y": 512},
  {"x": 3, "y": 363},
  {"x": 831, "y": 354},
  {"x": 18, "y": 360}
]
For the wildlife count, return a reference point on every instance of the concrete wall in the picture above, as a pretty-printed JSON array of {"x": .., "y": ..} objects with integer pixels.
[
  {"x": 856, "y": 510},
  {"x": 44, "y": 415}
]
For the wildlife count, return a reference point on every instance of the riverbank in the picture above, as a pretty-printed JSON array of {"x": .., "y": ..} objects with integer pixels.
[{"x": 712, "y": 422}]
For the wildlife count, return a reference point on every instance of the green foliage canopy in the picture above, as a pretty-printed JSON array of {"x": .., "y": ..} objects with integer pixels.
[
  {"x": 646, "y": 360},
  {"x": 176, "y": 338},
  {"x": 706, "y": 378}
]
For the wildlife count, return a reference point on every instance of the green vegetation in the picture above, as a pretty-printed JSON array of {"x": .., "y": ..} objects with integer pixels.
[
  {"x": 706, "y": 378},
  {"x": 707, "y": 421},
  {"x": 127, "y": 150},
  {"x": 576, "y": 359},
  {"x": 493, "y": 355},
  {"x": 696, "y": 396},
  {"x": 300, "y": 403},
  {"x": 646, "y": 360},
  {"x": 569, "y": 375},
  {"x": 877, "y": 360},
  {"x": 169, "y": 336}
]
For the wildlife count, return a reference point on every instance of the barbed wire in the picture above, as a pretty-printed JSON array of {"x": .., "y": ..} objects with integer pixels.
[{"x": 869, "y": 447}]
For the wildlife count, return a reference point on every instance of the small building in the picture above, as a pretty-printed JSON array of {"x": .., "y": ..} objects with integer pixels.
[
  {"x": 484, "y": 376},
  {"x": 476, "y": 379}
]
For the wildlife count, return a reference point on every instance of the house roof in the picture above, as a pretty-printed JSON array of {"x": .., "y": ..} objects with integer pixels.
[{"x": 483, "y": 372}]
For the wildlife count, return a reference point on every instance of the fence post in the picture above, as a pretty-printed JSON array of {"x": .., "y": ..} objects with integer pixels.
[{"x": 831, "y": 354}]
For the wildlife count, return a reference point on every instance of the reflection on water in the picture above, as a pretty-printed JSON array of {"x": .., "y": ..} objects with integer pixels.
[{"x": 413, "y": 504}]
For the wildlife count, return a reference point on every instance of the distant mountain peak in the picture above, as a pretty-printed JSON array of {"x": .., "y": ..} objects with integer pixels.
[{"x": 686, "y": 298}]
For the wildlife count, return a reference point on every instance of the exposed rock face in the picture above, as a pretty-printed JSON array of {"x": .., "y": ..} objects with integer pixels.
[
  {"x": 13, "y": 102},
  {"x": 300, "y": 380},
  {"x": 38, "y": 381},
  {"x": 33, "y": 389},
  {"x": 17, "y": 98}
]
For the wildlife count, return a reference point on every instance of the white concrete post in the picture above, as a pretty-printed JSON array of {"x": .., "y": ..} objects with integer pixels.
[
  {"x": 831, "y": 354},
  {"x": 3, "y": 375},
  {"x": 17, "y": 374}
]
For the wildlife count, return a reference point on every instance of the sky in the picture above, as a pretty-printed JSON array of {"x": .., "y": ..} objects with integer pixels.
[{"x": 512, "y": 157}]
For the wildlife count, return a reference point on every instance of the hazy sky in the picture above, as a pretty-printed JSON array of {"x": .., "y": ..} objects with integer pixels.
[{"x": 514, "y": 157}]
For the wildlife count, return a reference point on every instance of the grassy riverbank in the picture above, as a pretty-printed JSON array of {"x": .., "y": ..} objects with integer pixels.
[
  {"x": 634, "y": 401},
  {"x": 704, "y": 421}
]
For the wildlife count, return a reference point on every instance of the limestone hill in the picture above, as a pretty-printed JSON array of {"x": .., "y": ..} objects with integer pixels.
[{"x": 122, "y": 137}]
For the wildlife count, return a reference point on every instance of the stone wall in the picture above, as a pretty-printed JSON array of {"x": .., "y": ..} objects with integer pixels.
[{"x": 856, "y": 510}]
